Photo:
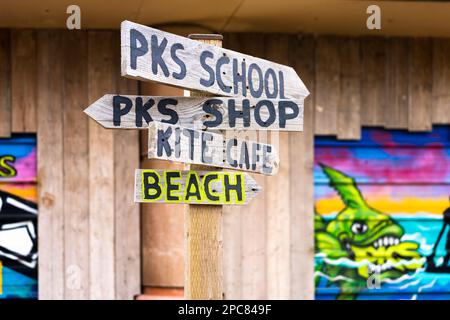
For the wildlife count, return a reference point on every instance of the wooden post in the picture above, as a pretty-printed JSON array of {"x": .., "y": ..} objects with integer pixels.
[{"x": 203, "y": 232}]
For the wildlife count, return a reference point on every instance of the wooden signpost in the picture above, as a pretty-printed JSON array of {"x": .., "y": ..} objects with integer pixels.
[
  {"x": 229, "y": 91},
  {"x": 169, "y": 142},
  {"x": 136, "y": 112},
  {"x": 151, "y": 54},
  {"x": 194, "y": 187}
]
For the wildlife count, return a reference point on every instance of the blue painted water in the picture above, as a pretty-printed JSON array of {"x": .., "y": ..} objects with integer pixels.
[{"x": 418, "y": 285}]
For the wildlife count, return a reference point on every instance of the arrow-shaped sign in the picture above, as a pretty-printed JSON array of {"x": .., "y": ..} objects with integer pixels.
[
  {"x": 175, "y": 143},
  {"x": 195, "y": 187},
  {"x": 151, "y": 54},
  {"x": 136, "y": 112}
]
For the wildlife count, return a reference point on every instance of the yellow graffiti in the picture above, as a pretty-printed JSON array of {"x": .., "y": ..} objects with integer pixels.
[{"x": 388, "y": 205}]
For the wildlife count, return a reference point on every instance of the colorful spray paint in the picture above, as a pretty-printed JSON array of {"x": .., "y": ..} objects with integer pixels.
[
  {"x": 18, "y": 218},
  {"x": 379, "y": 206}
]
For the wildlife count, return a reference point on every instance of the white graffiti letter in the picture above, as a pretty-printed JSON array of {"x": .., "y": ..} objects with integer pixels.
[
  {"x": 374, "y": 20},
  {"x": 73, "y": 277},
  {"x": 74, "y": 20},
  {"x": 374, "y": 281}
]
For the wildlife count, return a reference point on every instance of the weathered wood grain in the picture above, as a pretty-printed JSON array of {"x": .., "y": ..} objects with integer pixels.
[
  {"x": 277, "y": 197},
  {"x": 5, "y": 83},
  {"x": 250, "y": 272},
  {"x": 349, "y": 107},
  {"x": 167, "y": 67},
  {"x": 50, "y": 165},
  {"x": 76, "y": 155},
  {"x": 420, "y": 83},
  {"x": 23, "y": 80},
  {"x": 196, "y": 112},
  {"x": 327, "y": 85},
  {"x": 441, "y": 76},
  {"x": 396, "y": 115},
  {"x": 373, "y": 81},
  {"x": 101, "y": 171},
  {"x": 126, "y": 212},
  {"x": 211, "y": 149},
  {"x": 249, "y": 187},
  {"x": 301, "y": 182}
]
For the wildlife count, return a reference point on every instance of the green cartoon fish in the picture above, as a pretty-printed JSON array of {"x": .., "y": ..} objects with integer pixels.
[{"x": 360, "y": 242}]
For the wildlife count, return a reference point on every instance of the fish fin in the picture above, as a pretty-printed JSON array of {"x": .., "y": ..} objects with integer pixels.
[{"x": 345, "y": 187}]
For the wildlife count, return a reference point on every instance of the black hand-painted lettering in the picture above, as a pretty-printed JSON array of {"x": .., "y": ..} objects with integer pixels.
[
  {"x": 239, "y": 77},
  {"x": 162, "y": 142},
  {"x": 230, "y": 144},
  {"x": 118, "y": 112},
  {"x": 220, "y": 62},
  {"x": 157, "y": 53},
  {"x": 170, "y": 187},
  {"x": 270, "y": 73},
  {"x": 206, "y": 136},
  {"x": 283, "y": 115},
  {"x": 270, "y": 109},
  {"x": 162, "y": 108},
  {"x": 192, "y": 135},
  {"x": 236, "y": 187},
  {"x": 135, "y": 49},
  {"x": 142, "y": 111},
  {"x": 208, "y": 107},
  {"x": 151, "y": 186},
  {"x": 233, "y": 114},
  {"x": 255, "y": 93},
  {"x": 203, "y": 56},
  {"x": 173, "y": 53}
]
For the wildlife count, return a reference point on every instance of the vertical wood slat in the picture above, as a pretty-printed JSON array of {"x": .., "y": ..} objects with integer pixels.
[
  {"x": 396, "y": 112},
  {"x": 441, "y": 76},
  {"x": 277, "y": 196},
  {"x": 420, "y": 85},
  {"x": 301, "y": 153},
  {"x": 349, "y": 108},
  {"x": 23, "y": 80},
  {"x": 76, "y": 175},
  {"x": 248, "y": 271},
  {"x": 327, "y": 85},
  {"x": 373, "y": 81},
  {"x": 232, "y": 226},
  {"x": 5, "y": 83},
  {"x": 50, "y": 165},
  {"x": 127, "y": 213},
  {"x": 101, "y": 170}
]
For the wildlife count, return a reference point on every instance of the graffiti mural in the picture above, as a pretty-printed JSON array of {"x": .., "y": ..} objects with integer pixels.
[
  {"x": 18, "y": 218},
  {"x": 382, "y": 216}
]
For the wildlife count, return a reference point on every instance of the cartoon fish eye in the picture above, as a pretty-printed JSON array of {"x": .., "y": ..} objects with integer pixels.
[{"x": 359, "y": 228}]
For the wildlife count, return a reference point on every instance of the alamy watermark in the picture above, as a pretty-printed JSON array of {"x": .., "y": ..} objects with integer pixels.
[
  {"x": 374, "y": 20},
  {"x": 73, "y": 21}
]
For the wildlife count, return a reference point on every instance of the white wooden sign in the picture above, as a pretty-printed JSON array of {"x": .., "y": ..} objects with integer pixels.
[
  {"x": 136, "y": 112},
  {"x": 151, "y": 54},
  {"x": 194, "y": 187},
  {"x": 176, "y": 143}
]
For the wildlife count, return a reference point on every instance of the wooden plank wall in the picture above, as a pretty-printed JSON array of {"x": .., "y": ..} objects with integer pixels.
[
  {"x": 89, "y": 246},
  {"x": 369, "y": 81},
  {"x": 89, "y": 227}
]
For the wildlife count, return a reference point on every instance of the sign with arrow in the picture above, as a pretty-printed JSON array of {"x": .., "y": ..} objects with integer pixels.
[
  {"x": 136, "y": 112},
  {"x": 194, "y": 187},
  {"x": 151, "y": 54},
  {"x": 176, "y": 143}
]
